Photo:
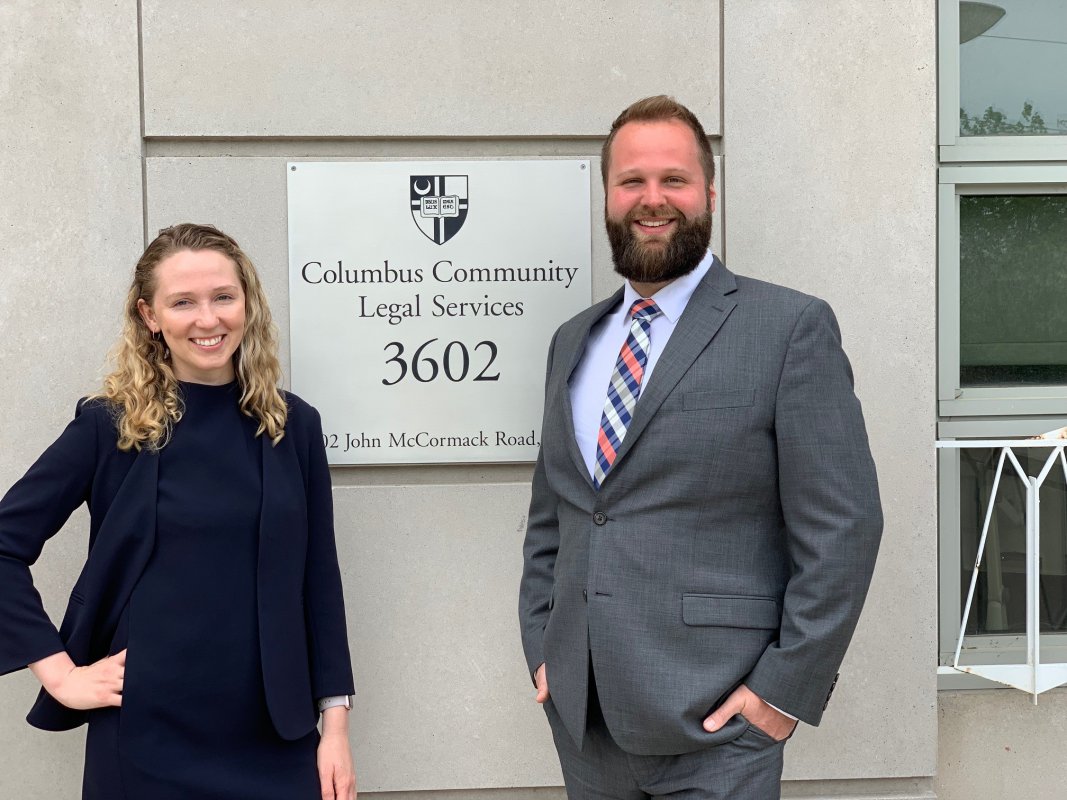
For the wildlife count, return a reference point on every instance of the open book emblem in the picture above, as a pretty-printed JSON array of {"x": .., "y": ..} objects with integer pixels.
[{"x": 439, "y": 205}]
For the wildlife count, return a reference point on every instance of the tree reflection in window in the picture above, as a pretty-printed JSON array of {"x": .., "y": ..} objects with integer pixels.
[{"x": 996, "y": 123}]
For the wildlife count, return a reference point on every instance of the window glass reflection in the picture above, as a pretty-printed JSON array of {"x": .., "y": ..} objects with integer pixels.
[
  {"x": 1013, "y": 290},
  {"x": 1013, "y": 68}
]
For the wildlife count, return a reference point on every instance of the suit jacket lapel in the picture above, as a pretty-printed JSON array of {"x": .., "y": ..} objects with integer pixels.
[
  {"x": 569, "y": 351},
  {"x": 705, "y": 313}
]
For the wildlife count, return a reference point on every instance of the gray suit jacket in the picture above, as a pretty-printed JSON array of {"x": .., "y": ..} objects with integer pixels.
[{"x": 733, "y": 539}]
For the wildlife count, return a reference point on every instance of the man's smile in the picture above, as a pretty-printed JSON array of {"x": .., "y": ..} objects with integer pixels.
[{"x": 654, "y": 225}]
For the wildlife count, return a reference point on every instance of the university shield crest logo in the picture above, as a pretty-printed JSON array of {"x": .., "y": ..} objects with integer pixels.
[{"x": 439, "y": 205}]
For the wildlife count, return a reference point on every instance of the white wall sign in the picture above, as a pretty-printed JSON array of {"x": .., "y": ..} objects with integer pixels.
[{"x": 423, "y": 296}]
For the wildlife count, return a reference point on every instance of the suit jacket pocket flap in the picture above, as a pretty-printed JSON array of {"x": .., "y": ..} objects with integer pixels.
[
  {"x": 730, "y": 611},
  {"x": 694, "y": 401}
]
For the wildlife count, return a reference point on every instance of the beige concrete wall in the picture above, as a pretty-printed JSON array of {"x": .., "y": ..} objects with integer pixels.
[
  {"x": 70, "y": 227},
  {"x": 829, "y": 173},
  {"x": 996, "y": 744},
  {"x": 413, "y": 68}
]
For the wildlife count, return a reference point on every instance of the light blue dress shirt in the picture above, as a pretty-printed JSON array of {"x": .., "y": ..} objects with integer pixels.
[{"x": 589, "y": 384}]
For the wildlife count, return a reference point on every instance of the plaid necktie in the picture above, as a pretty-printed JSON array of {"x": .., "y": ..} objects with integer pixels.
[{"x": 625, "y": 387}]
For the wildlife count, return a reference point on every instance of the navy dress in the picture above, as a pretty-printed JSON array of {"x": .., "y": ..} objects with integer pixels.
[{"x": 194, "y": 720}]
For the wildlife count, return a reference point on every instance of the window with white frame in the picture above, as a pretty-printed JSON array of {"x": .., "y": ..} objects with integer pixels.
[{"x": 1002, "y": 323}]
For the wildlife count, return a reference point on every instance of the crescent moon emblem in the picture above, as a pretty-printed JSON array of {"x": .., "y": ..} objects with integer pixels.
[{"x": 420, "y": 190}]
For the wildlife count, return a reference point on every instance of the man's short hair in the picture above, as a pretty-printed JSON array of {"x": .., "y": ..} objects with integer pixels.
[{"x": 661, "y": 108}]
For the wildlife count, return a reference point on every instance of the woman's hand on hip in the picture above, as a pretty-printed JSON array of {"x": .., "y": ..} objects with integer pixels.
[
  {"x": 336, "y": 773},
  {"x": 98, "y": 685}
]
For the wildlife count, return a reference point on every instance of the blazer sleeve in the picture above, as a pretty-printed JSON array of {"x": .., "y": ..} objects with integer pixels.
[
  {"x": 539, "y": 554},
  {"x": 324, "y": 604},
  {"x": 832, "y": 515},
  {"x": 31, "y": 512}
]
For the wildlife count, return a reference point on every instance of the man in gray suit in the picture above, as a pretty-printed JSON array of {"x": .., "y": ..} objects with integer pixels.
[{"x": 705, "y": 515}]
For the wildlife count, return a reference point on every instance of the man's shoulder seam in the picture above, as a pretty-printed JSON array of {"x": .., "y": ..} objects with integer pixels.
[{"x": 754, "y": 286}]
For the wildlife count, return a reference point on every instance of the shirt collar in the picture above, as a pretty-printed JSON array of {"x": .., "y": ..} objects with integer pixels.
[{"x": 674, "y": 297}]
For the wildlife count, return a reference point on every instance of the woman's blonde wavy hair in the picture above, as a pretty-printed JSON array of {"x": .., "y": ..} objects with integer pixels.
[{"x": 143, "y": 389}]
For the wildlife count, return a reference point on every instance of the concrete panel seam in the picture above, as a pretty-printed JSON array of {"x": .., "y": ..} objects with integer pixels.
[
  {"x": 417, "y": 487},
  {"x": 381, "y": 147},
  {"x": 722, "y": 71},
  {"x": 140, "y": 103}
]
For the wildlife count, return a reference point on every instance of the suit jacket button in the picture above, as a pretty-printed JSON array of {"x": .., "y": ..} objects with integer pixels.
[
  {"x": 600, "y": 517},
  {"x": 585, "y": 594},
  {"x": 830, "y": 693}
]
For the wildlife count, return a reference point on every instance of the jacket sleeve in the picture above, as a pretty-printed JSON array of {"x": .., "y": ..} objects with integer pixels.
[
  {"x": 324, "y": 604},
  {"x": 31, "y": 512},
  {"x": 539, "y": 555},
  {"x": 832, "y": 515}
]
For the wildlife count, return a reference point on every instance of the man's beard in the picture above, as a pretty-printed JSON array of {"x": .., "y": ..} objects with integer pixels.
[{"x": 650, "y": 261}]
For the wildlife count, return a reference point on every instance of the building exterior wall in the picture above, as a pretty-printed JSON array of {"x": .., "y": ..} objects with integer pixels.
[
  {"x": 816, "y": 169},
  {"x": 407, "y": 68},
  {"x": 126, "y": 117},
  {"x": 70, "y": 223},
  {"x": 995, "y": 744}
]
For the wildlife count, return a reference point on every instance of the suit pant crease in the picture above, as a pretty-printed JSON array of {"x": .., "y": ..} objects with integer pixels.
[{"x": 746, "y": 768}]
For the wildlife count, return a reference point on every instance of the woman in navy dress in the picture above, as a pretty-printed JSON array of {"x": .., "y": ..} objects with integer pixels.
[{"x": 206, "y": 631}]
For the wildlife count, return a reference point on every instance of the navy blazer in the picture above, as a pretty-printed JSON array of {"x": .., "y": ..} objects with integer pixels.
[{"x": 299, "y": 597}]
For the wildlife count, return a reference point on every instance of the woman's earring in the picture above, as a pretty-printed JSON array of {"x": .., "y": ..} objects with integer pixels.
[{"x": 158, "y": 337}]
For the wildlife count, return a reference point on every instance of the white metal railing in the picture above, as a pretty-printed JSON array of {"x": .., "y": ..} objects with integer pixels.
[{"x": 1033, "y": 677}]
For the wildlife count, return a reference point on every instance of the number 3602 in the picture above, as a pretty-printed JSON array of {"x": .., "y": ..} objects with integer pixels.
[{"x": 454, "y": 362}]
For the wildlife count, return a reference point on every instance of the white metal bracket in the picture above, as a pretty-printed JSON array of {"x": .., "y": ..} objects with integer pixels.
[{"x": 1033, "y": 676}]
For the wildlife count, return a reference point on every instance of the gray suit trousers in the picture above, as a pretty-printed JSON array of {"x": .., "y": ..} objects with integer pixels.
[{"x": 748, "y": 767}]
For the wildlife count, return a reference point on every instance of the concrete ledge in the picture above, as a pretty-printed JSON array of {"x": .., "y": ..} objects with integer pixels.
[
  {"x": 877, "y": 789},
  {"x": 889, "y": 789}
]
